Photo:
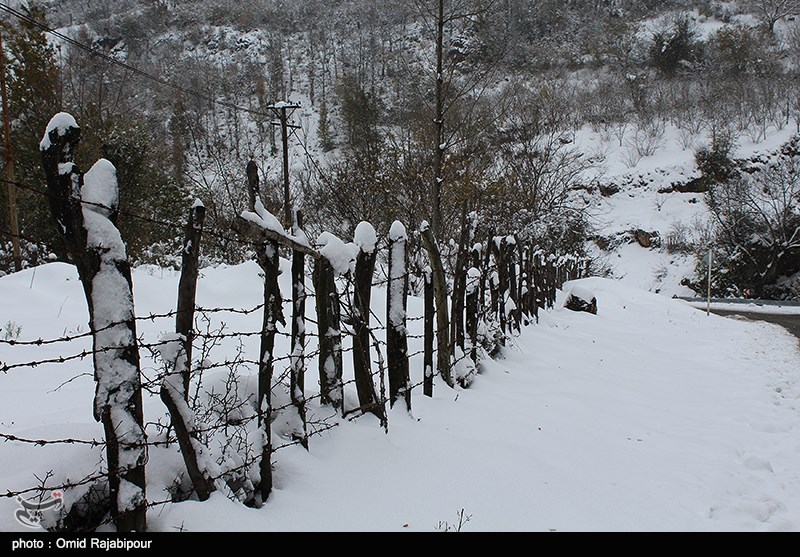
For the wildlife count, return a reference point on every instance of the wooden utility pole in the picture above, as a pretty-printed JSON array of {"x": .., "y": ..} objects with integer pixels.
[
  {"x": 282, "y": 112},
  {"x": 10, "y": 185}
]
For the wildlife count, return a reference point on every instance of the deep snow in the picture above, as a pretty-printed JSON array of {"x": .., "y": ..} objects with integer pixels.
[{"x": 650, "y": 416}]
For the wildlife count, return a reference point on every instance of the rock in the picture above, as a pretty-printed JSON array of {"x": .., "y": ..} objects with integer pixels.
[
  {"x": 581, "y": 300},
  {"x": 609, "y": 190},
  {"x": 647, "y": 239},
  {"x": 697, "y": 185}
]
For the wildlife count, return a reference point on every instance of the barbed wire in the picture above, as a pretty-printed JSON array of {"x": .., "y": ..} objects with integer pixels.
[{"x": 551, "y": 275}]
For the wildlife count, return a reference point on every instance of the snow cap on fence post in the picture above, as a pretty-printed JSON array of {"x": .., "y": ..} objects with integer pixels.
[
  {"x": 365, "y": 237},
  {"x": 340, "y": 255}
]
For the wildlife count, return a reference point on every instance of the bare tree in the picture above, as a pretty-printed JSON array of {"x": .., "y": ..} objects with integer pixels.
[
  {"x": 758, "y": 223},
  {"x": 449, "y": 21},
  {"x": 772, "y": 11}
]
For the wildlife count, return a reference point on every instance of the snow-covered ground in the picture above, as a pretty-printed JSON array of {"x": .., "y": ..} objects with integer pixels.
[
  {"x": 650, "y": 416},
  {"x": 645, "y": 201}
]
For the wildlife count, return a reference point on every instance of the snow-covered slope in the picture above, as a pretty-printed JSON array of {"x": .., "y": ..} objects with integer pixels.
[
  {"x": 650, "y": 416},
  {"x": 642, "y": 197}
]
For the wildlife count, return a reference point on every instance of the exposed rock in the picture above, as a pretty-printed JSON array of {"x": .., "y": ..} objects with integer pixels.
[
  {"x": 698, "y": 185},
  {"x": 609, "y": 190},
  {"x": 647, "y": 239},
  {"x": 581, "y": 300}
]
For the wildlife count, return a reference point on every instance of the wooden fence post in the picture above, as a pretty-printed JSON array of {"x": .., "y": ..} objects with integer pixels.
[
  {"x": 469, "y": 223},
  {"x": 427, "y": 386},
  {"x": 366, "y": 240},
  {"x": 443, "y": 355},
  {"x": 187, "y": 285},
  {"x": 551, "y": 281},
  {"x": 266, "y": 236},
  {"x": 473, "y": 291},
  {"x": 330, "y": 334},
  {"x": 511, "y": 297},
  {"x": 266, "y": 232},
  {"x": 493, "y": 279},
  {"x": 298, "y": 364},
  {"x": 502, "y": 283},
  {"x": 85, "y": 208},
  {"x": 396, "y": 331},
  {"x": 524, "y": 281},
  {"x": 175, "y": 387},
  {"x": 533, "y": 296}
]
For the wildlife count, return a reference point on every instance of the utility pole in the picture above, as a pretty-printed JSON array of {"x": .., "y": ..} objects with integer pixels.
[
  {"x": 282, "y": 111},
  {"x": 10, "y": 185},
  {"x": 438, "y": 153},
  {"x": 710, "y": 265}
]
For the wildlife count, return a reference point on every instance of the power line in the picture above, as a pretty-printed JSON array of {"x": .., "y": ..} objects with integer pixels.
[{"x": 126, "y": 66}]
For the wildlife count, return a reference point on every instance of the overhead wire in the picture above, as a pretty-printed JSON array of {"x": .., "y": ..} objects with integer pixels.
[{"x": 126, "y": 66}]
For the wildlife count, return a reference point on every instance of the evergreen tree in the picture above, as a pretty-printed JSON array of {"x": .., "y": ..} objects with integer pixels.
[{"x": 32, "y": 78}]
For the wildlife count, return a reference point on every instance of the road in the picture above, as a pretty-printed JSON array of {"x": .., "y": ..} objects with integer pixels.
[{"x": 789, "y": 322}]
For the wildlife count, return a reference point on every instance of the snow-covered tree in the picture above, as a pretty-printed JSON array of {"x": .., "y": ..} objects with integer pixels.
[
  {"x": 772, "y": 11},
  {"x": 758, "y": 224}
]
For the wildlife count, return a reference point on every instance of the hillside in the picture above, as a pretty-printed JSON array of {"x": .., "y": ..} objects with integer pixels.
[
  {"x": 511, "y": 146},
  {"x": 553, "y": 110}
]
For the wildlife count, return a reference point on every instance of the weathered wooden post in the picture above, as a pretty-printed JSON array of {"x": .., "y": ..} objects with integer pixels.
[
  {"x": 494, "y": 277},
  {"x": 511, "y": 295},
  {"x": 476, "y": 284},
  {"x": 396, "y": 331},
  {"x": 175, "y": 387},
  {"x": 366, "y": 241},
  {"x": 540, "y": 279},
  {"x": 265, "y": 231},
  {"x": 502, "y": 283},
  {"x": 524, "y": 281},
  {"x": 329, "y": 320},
  {"x": 469, "y": 223},
  {"x": 443, "y": 355},
  {"x": 187, "y": 285},
  {"x": 298, "y": 365},
  {"x": 551, "y": 281},
  {"x": 472, "y": 293},
  {"x": 428, "y": 334},
  {"x": 85, "y": 208}
]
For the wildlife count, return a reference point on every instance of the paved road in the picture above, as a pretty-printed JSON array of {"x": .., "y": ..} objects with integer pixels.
[{"x": 789, "y": 322}]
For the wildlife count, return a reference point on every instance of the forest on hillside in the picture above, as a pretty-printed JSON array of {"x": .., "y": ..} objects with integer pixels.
[{"x": 416, "y": 111}]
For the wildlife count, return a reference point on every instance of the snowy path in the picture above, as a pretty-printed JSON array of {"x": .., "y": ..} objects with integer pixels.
[{"x": 650, "y": 416}]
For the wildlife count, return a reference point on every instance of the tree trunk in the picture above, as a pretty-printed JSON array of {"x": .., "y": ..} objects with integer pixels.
[
  {"x": 427, "y": 386},
  {"x": 439, "y": 148}
]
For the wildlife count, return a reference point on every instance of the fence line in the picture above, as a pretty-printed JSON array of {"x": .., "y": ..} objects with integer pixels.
[{"x": 502, "y": 282}]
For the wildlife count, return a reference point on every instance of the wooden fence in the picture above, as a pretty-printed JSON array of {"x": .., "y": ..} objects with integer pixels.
[{"x": 476, "y": 296}]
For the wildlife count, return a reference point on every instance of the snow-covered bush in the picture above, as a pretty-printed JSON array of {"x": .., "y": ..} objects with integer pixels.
[{"x": 757, "y": 240}]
